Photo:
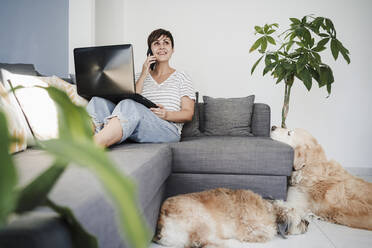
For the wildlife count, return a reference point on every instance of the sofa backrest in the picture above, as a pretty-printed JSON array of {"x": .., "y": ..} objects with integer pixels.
[{"x": 260, "y": 125}]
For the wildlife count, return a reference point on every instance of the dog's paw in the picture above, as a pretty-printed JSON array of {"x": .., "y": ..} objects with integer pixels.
[
  {"x": 313, "y": 216},
  {"x": 295, "y": 178}
]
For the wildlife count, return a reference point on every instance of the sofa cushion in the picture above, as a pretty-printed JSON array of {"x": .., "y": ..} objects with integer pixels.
[
  {"x": 68, "y": 88},
  {"x": 17, "y": 109},
  {"x": 36, "y": 104},
  {"x": 191, "y": 128},
  {"x": 15, "y": 122},
  {"x": 148, "y": 165},
  {"x": 232, "y": 155},
  {"x": 228, "y": 116},
  {"x": 24, "y": 69}
]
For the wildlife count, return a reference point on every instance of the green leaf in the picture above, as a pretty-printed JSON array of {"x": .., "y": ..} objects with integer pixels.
[
  {"x": 275, "y": 25},
  {"x": 288, "y": 66},
  {"x": 271, "y": 40},
  {"x": 346, "y": 57},
  {"x": 324, "y": 35},
  {"x": 316, "y": 24},
  {"x": 307, "y": 36},
  {"x": 302, "y": 61},
  {"x": 306, "y": 78},
  {"x": 269, "y": 68},
  {"x": 303, "y": 20},
  {"x": 271, "y": 31},
  {"x": 317, "y": 57},
  {"x": 264, "y": 44},
  {"x": 269, "y": 58},
  {"x": 343, "y": 51},
  {"x": 318, "y": 49},
  {"x": 259, "y": 29},
  {"x": 87, "y": 154},
  {"x": 255, "y": 64},
  {"x": 341, "y": 47},
  {"x": 288, "y": 47},
  {"x": 334, "y": 49},
  {"x": 311, "y": 44},
  {"x": 295, "y": 21},
  {"x": 315, "y": 75},
  {"x": 256, "y": 45},
  {"x": 35, "y": 194},
  {"x": 326, "y": 76},
  {"x": 280, "y": 72},
  {"x": 80, "y": 237},
  {"x": 322, "y": 42},
  {"x": 8, "y": 175},
  {"x": 266, "y": 28},
  {"x": 329, "y": 25}
]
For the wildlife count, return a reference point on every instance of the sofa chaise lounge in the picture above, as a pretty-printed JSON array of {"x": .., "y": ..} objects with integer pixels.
[{"x": 159, "y": 170}]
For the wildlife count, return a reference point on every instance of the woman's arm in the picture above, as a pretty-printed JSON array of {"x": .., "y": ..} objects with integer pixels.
[
  {"x": 139, "y": 83},
  {"x": 145, "y": 71},
  {"x": 184, "y": 115}
]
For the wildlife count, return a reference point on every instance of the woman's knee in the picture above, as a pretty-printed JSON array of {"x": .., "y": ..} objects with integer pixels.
[
  {"x": 129, "y": 105},
  {"x": 97, "y": 99}
]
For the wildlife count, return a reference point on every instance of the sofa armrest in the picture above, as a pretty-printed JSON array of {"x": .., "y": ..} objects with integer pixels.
[{"x": 261, "y": 120}]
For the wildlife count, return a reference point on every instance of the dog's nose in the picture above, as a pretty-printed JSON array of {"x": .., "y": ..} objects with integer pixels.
[
  {"x": 273, "y": 128},
  {"x": 306, "y": 223}
]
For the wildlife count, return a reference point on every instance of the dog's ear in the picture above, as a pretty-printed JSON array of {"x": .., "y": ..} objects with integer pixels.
[
  {"x": 283, "y": 229},
  {"x": 281, "y": 212},
  {"x": 300, "y": 155}
]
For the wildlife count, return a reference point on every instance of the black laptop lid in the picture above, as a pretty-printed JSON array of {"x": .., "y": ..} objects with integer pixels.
[{"x": 105, "y": 71}]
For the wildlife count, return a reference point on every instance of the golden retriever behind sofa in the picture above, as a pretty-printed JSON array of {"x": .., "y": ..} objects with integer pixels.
[
  {"x": 212, "y": 218},
  {"x": 324, "y": 187}
]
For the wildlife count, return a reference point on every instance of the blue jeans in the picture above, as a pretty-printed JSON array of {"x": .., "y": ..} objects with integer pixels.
[{"x": 138, "y": 122}]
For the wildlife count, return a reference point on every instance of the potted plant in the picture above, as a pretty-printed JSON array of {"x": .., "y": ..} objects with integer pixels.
[
  {"x": 75, "y": 144},
  {"x": 297, "y": 54}
]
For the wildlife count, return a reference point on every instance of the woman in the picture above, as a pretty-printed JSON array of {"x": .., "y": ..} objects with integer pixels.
[{"x": 169, "y": 88}]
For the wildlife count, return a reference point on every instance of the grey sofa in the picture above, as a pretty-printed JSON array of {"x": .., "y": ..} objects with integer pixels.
[{"x": 159, "y": 170}]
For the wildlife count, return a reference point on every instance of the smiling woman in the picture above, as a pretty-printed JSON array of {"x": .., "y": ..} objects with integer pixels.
[{"x": 169, "y": 88}]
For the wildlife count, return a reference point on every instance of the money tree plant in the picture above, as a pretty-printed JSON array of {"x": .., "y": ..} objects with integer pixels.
[{"x": 297, "y": 54}]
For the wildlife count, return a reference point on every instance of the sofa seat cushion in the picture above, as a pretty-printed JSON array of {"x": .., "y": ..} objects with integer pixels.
[
  {"x": 232, "y": 155},
  {"x": 148, "y": 165}
]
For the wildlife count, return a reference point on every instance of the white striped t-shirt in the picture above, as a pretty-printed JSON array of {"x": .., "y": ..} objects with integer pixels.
[{"x": 169, "y": 92}]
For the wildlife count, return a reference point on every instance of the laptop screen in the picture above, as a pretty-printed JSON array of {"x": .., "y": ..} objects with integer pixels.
[{"x": 105, "y": 71}]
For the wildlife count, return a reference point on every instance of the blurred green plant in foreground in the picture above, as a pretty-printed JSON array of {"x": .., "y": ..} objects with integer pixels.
[{"x": 74, "y": 145}]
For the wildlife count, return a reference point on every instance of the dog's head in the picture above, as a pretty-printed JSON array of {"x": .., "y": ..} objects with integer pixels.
[
  {"x": 306, "y": 147},
  {"x": 289, "y": 221}
]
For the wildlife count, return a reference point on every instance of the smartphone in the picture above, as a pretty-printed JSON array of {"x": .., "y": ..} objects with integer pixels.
[{"x": 149, "y": 52}]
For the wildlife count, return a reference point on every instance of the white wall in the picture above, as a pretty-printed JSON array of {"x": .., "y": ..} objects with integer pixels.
[
  {"x": 212, "y": 39},
  {"x": 109, "y": 22},
  {"x": 81, "y": 27}
]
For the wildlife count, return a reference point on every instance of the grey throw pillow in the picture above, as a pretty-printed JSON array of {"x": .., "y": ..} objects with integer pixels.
[
  {"x": 191, "y": 128},
  {"x": 228, "y": 116}
]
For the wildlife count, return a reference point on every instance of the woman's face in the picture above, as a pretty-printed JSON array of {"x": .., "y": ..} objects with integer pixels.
[{"x": 162, "y": 48}]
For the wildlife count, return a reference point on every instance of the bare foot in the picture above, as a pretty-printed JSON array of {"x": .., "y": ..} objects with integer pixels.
[{"x": 110, "y": 134}]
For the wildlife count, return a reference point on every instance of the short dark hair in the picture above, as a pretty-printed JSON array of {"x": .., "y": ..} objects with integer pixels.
[{"x": 156, "y": 34}]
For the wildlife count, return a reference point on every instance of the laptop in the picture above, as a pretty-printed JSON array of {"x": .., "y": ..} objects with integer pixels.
[{"x": 107, "y": 72}]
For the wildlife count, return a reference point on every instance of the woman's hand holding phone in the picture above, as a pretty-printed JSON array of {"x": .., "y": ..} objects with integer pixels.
[{"x": 151, "y": 59}]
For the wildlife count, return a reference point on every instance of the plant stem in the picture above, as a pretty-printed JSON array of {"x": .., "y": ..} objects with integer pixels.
[{"x": 287, "y": 94}]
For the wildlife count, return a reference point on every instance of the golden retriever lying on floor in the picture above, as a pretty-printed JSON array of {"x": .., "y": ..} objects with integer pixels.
[
  {"x": 211, "y": 218},
  {"x": 324, "y": 187}
]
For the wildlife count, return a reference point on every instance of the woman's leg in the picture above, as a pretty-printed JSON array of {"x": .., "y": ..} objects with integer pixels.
[
  {"x": 131, "y": 119},
  {"x": 99, "y": 108}
]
